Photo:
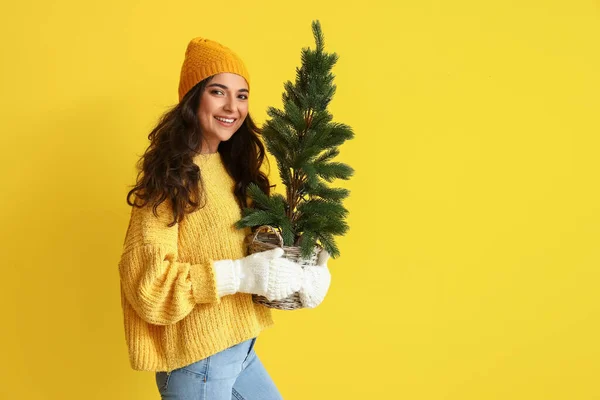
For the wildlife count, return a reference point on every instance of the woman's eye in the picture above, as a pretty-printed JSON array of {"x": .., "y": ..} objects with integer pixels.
[
  {"x": 216, "y": 91},
  {"x": 243, "y": 97}
]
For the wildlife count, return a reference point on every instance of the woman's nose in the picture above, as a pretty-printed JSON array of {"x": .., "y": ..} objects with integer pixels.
[{"x": 229, "y": 104}]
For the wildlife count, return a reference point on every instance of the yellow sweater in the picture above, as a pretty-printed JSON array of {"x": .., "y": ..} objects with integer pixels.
[{"x": 172, "y": 314}]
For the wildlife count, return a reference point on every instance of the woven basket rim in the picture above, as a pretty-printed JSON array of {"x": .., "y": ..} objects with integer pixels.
[{"x": 253, "y": 237}]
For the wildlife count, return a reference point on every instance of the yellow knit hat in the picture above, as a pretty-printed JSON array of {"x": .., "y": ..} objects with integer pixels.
[{"x": 204, "y": 58}]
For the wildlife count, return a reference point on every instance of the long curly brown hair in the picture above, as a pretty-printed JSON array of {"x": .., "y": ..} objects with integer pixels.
[{"x": 167, "y": 171}]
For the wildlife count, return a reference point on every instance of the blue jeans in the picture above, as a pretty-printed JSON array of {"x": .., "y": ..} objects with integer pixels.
[{"x": 235, "y": 373}]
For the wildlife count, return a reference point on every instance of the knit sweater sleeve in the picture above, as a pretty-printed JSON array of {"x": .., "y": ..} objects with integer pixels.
[{"x": 159, "y": 287}]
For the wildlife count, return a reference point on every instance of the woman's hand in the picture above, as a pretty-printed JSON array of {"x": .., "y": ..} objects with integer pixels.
[
  {"x": 265, "y": 273},
  {"x": 316, "y": 282}
]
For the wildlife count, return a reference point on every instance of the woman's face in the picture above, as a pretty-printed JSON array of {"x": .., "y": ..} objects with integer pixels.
[{"x": 223, "y": 108}]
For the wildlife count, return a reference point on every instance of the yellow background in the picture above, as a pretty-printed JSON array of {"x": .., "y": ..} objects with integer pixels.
[{"x": 471, "y": 267}]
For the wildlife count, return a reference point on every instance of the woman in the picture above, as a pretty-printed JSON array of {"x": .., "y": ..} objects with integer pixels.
[{"x": 186, "y": 282}]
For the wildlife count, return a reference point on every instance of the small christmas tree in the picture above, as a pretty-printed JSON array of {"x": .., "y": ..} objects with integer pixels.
[{"x": 304, "y": 140}]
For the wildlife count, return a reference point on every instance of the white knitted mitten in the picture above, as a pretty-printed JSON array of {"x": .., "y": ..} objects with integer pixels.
[
  {"x": 317, "y": 280},
  {"x": 265, "y": 273}
]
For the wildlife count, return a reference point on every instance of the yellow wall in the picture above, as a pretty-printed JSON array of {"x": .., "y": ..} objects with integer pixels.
[{"x": 471, "y": 267}]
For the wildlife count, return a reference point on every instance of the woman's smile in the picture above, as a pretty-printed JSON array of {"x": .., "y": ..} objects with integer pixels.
[{"x": 228, "y": 122}]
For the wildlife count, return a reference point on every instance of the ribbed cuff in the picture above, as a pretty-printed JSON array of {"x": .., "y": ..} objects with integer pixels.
[
  {"x": 203, "y": 283},
  {"x": 226, "y": 277}
]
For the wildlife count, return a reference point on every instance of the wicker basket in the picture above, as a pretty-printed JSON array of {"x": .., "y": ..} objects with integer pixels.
[{"x": 266, "y": 238}]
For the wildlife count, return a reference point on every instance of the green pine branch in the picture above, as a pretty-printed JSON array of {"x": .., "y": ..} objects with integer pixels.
[{"x": 304, "y": 140}]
